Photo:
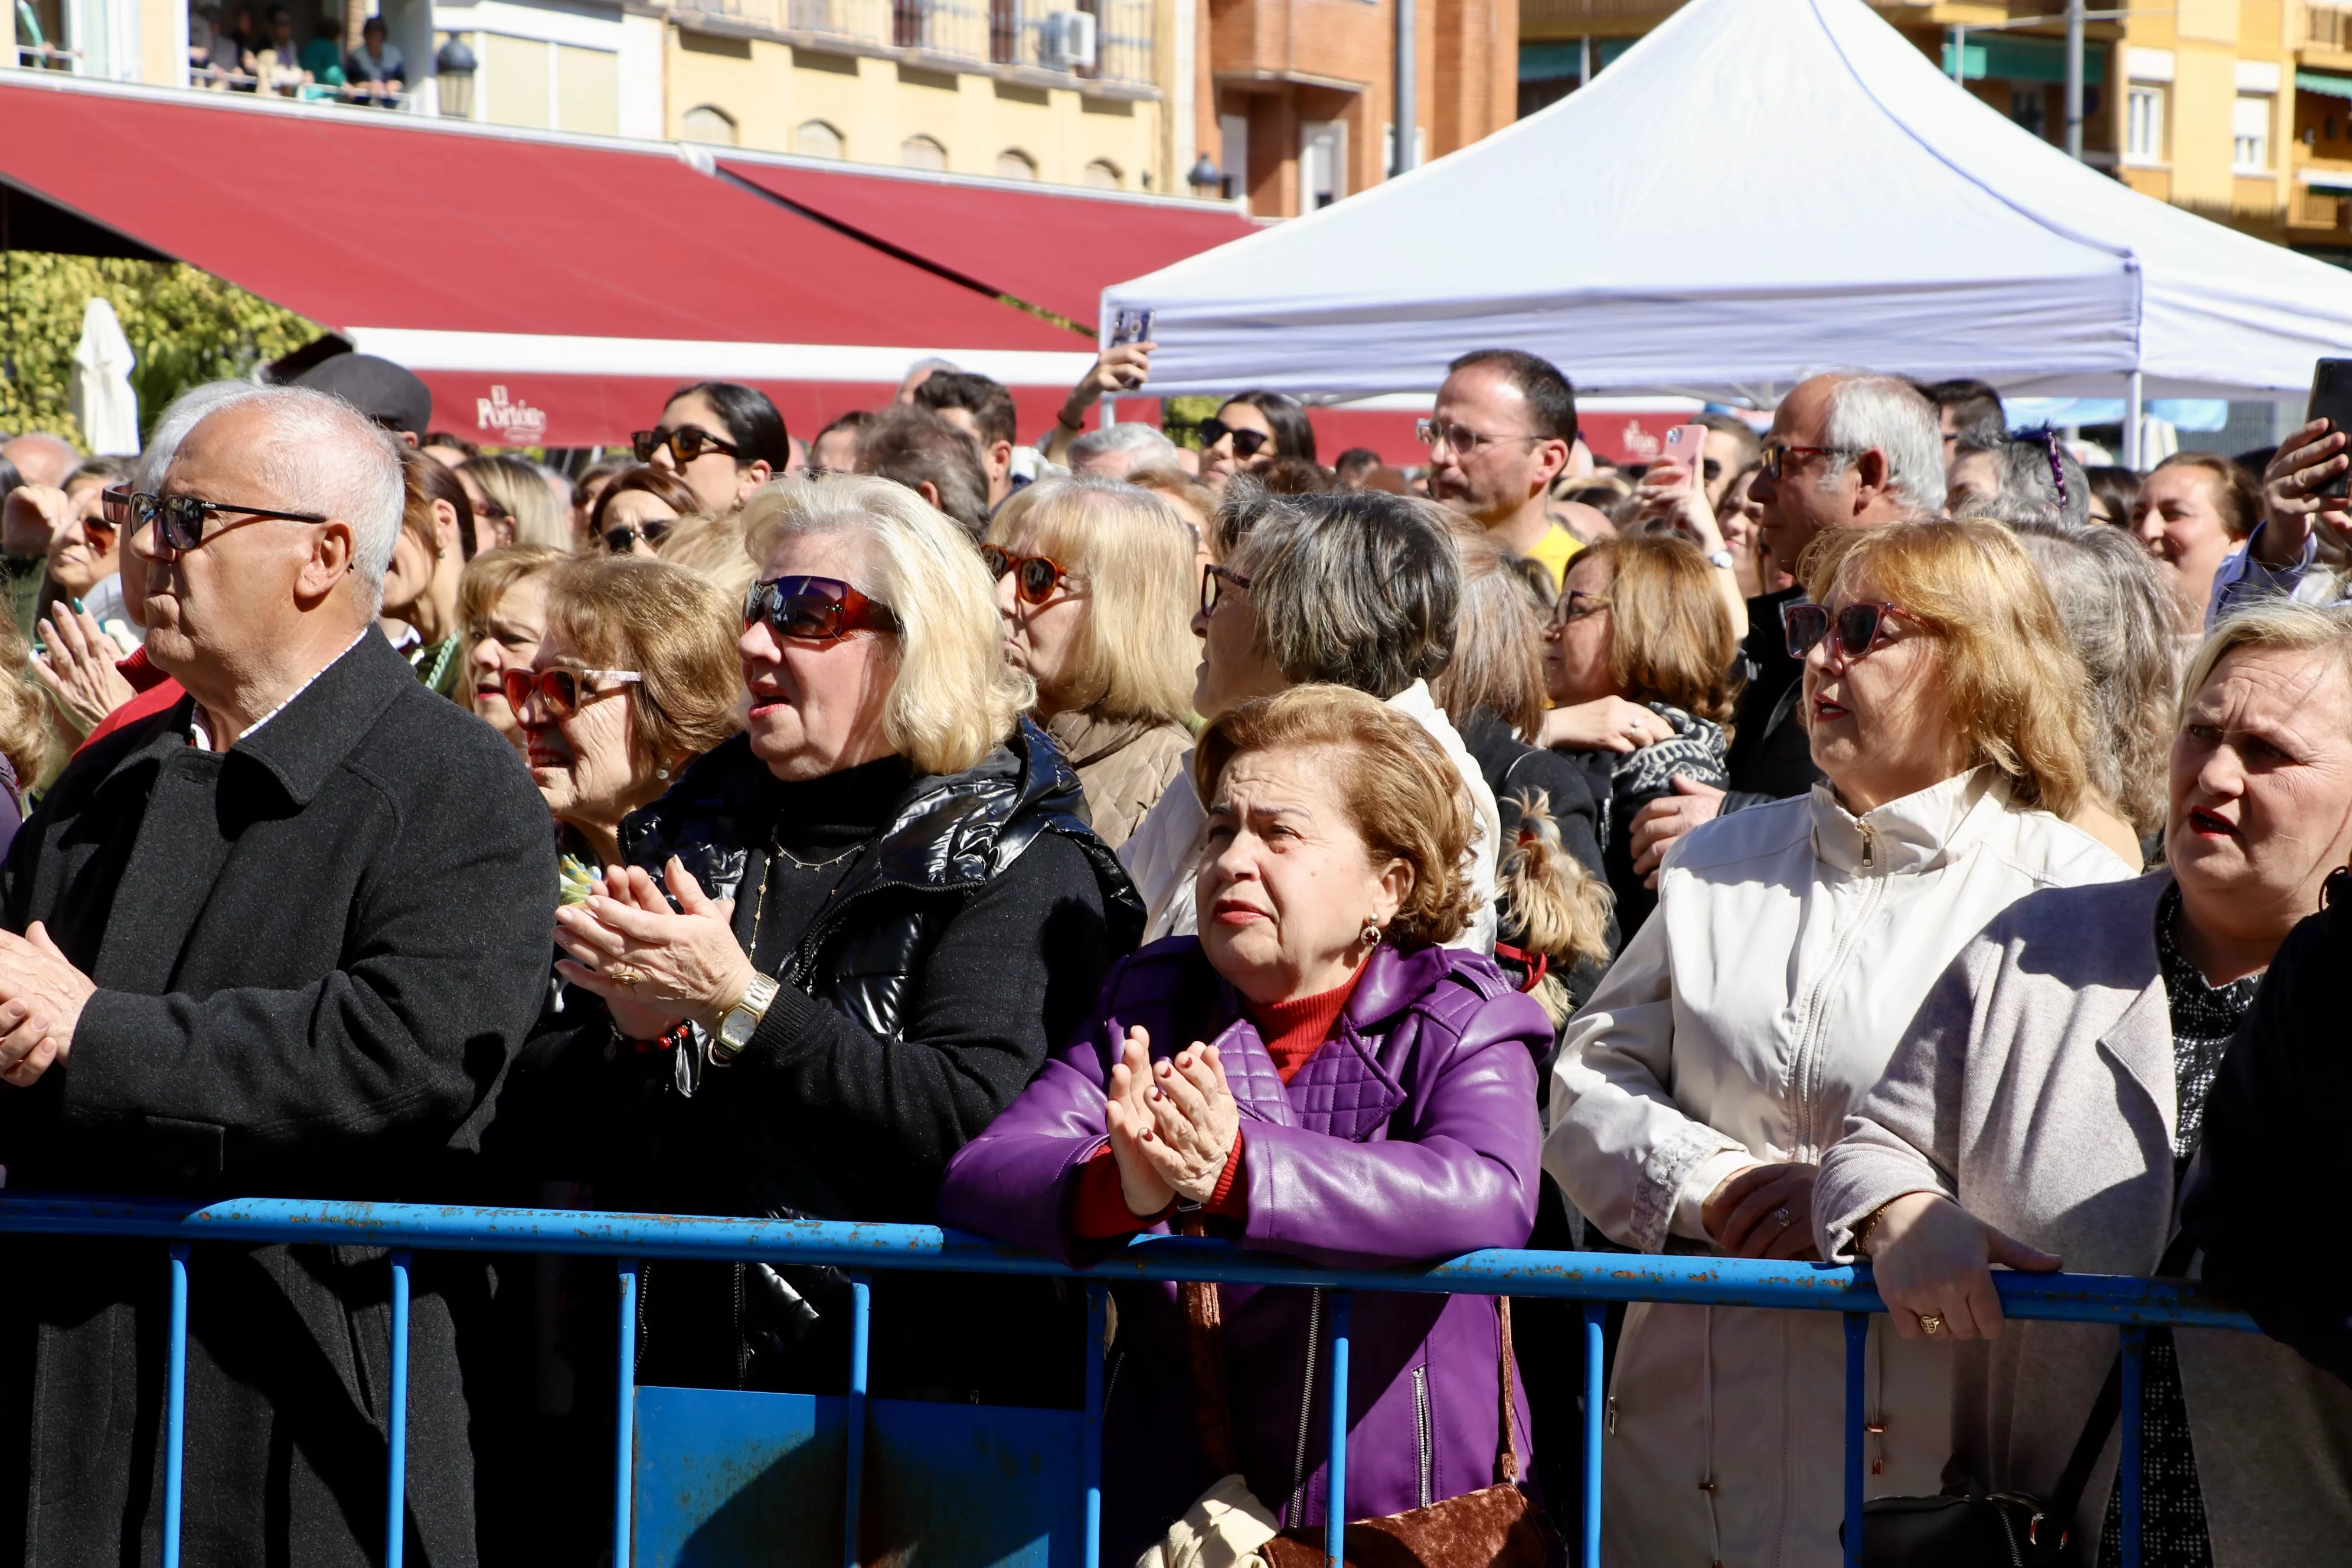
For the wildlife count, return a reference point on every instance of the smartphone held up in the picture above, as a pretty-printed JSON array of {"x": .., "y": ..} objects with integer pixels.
[{"x": 2331, "y": 399}]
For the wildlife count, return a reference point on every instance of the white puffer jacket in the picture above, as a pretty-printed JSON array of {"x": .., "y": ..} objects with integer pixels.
[{"x": 1753, "y": 1009}]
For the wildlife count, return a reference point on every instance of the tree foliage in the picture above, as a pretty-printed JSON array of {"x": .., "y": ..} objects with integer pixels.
[{"x": 186, "y": 327}]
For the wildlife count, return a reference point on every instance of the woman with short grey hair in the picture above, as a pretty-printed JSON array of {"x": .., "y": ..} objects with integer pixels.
[{"x": 1349, "y": 589}]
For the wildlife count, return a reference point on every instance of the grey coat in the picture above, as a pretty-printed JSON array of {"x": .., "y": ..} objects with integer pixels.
[{"x": 2035, "y": 1087}]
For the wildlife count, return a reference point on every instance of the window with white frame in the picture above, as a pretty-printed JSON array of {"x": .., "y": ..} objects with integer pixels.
[
  {"x": 2250, "y": 134},
  {"x": 2144, "y": 122}
]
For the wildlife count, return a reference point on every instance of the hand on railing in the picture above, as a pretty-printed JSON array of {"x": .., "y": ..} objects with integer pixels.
[
  {"x": 1932, "y": 1262},
  {"x": 1764, "y": 1211}
]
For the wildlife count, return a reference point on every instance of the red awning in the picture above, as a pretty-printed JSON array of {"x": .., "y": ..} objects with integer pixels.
[
  {"x": 1053, "y": 248},
  {"x": 539, "y": 282}
]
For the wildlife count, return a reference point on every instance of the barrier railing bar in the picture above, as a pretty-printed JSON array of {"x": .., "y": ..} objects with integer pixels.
[
  {"x": 175, "y": 1405},
  {"x": 1335, "y": 1492},
  {"x": 1091, "y": 1450},
  {"x": 396, "y": 1532},
  {"x": 861, "y": 1312},
  {"x": 625, "y": 1416},
  {"x": 1575, "y": 1276},
  {"x": 1857, "y": 1347},
  {"x": 2135, "y": 1346},
  {"x": 1596, "y": 1405}
]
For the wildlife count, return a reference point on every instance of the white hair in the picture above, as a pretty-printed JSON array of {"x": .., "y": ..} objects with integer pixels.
[
  {"x": 182, "y": 415},
  {"x": 1886, "y": 415},
  {"x": 324, "y": 456},
  {"x": 1138, "y": 443}
]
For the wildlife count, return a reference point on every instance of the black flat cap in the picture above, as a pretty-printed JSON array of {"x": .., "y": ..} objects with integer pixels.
[{"x": 386, "y": 393}]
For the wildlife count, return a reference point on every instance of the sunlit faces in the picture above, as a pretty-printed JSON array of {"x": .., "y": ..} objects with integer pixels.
[
  {"x": 1880, "y": 722},
  {"x": 505, "y": 638},
  {"x": 817, "y": 707},
  {"x": 1577, "y": 638},
  {"x": 2178, "y": 519}
]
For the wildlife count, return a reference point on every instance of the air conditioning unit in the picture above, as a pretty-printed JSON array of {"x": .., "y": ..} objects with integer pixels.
[{"x": 1065, "y": 40}]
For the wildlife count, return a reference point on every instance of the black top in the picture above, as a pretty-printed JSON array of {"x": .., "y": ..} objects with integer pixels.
[
  {"x": 1513, "y": 769},
  {"x": 820, "y": 826},
  {"x": 1771, "y": 753}
]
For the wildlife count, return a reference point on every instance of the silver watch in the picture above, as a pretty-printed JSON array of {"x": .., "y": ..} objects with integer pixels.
[{"x": 735, "y": 1028}]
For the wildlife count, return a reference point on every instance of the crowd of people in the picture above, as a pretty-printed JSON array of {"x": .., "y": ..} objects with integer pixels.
[
  {"x": 1871, "y": 838},
  {"x": 235, "y": 48}
]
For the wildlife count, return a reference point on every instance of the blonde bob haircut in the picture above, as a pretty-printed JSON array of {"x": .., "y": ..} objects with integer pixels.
[
  {"x": 491, "y": 577},
  {"x": 1132, "y": 555},
  {"x": 2015, "y": 691},
  {"x": 954, "y": 698},
  {"x": 1402, "y": 793},
  {"x": 674, "y": 628},
  {"x": 1670, "y": 635},
  {"x": 2277, "y": 625}
]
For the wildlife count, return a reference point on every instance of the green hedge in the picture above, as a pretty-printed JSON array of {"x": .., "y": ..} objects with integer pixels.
[{"x": 186, "y": 327}]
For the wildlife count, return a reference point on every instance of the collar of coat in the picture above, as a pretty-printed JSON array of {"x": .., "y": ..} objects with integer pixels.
[
  {"x": 1086, "y": 739},
  {"x": 1916, "y": 833},
  {"x": 305, "y": 740}
]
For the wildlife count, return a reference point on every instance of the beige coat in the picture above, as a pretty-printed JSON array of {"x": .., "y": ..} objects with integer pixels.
[
  {"x": 2035, "y": 1087},
  {"x": 1124, "y": 765},
  {"x": 1752, "y": 1011}
]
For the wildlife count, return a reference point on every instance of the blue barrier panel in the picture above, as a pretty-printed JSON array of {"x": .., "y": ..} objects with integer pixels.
[{"x": 992, "y": 1467}]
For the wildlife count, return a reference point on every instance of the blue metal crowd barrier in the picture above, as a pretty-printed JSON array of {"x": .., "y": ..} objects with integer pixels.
[{"x": 1595, "y": 1280}]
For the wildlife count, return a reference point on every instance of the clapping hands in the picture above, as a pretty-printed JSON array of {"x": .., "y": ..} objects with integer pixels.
[{"x": 1173, "y": 1125}]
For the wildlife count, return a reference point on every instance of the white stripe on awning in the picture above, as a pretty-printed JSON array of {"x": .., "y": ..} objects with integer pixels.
[
  {"x": 2325, "y": 179},
  {"x": 519, "y": 352}
]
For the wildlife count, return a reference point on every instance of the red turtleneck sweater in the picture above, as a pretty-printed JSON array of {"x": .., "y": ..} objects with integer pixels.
[{"x": 1292, "y": 1032}]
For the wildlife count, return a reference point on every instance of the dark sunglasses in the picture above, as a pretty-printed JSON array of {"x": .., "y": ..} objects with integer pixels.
[
  {"x": 1247, "y": 443},
  {"x": 1035, "y": 577},
  {"x": 1212, "y": 579},
  {"x": 686, "y": 442},
  {"x": 1774, "y": 462},
  {"x": 179, "y": 520},
  {"x": 814, "y": 609},
  {"x": 621, "y": 541},
  {"x": 562, "y": 691},
  {"x": 1857, "y": 624}
]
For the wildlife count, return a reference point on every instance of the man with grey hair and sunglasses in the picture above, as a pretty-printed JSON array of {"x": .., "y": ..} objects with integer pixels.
[
  {"x": 280, "y": 939},
  {"x": 1847, "y": 450}
]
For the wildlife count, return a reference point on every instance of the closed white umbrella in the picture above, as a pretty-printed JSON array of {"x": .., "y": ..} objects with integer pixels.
[{"x": 101, "y": 394}]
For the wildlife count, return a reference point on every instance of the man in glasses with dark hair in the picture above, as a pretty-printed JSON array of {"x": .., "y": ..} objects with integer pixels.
[
  {"x": 282, "y": 937},
  {"x": 1499, "y": 436}
]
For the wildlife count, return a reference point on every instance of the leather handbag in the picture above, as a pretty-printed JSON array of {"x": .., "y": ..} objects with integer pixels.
[
  {"x": 1494, "y": 1527},
  {"x": 1964, "y": 1526}
]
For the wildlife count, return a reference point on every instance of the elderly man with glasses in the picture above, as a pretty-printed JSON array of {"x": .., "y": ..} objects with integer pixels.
[
  {"x": 1845, "y": 450},
  {"x": 280, "y": 939}
]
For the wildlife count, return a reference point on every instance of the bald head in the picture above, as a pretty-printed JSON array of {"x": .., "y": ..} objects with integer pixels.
[{"x": 42, "y": 459}]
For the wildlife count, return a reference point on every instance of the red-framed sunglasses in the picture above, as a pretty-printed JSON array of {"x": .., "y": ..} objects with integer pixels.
[
  {"x": 1035, "y": 577},
  {"x": 562, "y": 692},
  {"x": 815, "y": 609},
  {"x": 1857, "y": 625}
]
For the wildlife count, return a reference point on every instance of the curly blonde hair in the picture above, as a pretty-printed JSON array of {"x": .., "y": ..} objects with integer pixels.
[
  {"x": 2015, "y": 692},
  {"x": 1401, "y": 792}
]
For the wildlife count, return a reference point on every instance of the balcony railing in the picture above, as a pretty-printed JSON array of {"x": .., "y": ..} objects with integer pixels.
[
  {"x": 2326, "y": 26},
  {"x": 1007, "y": 33}
]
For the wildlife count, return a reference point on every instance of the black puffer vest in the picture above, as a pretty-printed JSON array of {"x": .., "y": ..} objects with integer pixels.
[{"x": 949, "y": 838}]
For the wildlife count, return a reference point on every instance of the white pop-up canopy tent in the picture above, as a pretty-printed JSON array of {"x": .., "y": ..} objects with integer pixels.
[{"x": 1757, "y": 189}]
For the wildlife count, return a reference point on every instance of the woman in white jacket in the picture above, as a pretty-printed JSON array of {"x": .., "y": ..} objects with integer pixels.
[{"x": 1696, "y": 1091}]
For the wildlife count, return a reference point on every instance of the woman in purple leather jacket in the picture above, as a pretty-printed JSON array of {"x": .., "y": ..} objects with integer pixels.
[{"x": 1365, "y": 1097}]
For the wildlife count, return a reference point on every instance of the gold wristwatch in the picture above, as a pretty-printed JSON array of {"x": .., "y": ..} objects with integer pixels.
[{"x": 735, "y": 1028}]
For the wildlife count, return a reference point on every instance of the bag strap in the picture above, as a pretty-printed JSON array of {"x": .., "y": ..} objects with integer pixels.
[
  {"x": 1205, "y": 1347},
  {"x": 1506, "y": 1460},
  {"x": 2108, "y": 1408}
]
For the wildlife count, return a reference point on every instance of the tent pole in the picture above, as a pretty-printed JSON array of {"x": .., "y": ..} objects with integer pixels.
[
  {"x": 2074, "y": 80},
  {"x": 1403, "y": 113},
  {"x": 2132, "y": 422}
]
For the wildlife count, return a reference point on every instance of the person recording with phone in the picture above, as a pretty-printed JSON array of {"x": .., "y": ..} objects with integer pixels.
[{"x": 2299, "y": 548}]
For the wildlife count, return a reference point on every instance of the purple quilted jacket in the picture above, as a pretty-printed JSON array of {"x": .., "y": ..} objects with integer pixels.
[{"x": 1410, "y": 1136}]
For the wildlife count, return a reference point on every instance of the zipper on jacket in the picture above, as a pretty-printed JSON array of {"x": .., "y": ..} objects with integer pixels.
[
  {"x": 1421, "y": 1427},
  {"x": 1801, "y": 1073},
  {"x": 1306, "y": 1407},
  {"x": 1869, "y": 846}
]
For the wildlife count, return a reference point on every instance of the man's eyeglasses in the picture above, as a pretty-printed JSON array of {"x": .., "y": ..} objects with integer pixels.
[
  {"x": 814, "y": 609},
  {"x": 1460, "y": 440},
  {"x": 623, "y": 540},
  {"x": 1774, "y": 462},
  {"x": 179, "y": 520},
  {"x": 686, "y": 442},
  {"x": 562, "y": 692},
  {"x": 1211, "y": 579},
  {"x": 1035, "y": 577},
  {"x": 1247, "y": 444},
  {"x": 1858, "y": 626}
]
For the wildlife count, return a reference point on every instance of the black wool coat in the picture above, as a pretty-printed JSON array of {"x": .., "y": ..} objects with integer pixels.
[{"x": 315, "y": 955}]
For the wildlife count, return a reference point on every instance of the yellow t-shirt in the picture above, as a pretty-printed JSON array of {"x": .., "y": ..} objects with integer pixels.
[{"x": 1555, "y": 550}]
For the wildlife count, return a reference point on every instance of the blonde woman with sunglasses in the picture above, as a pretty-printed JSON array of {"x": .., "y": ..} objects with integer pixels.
[{"x": 1094, "y": 581}]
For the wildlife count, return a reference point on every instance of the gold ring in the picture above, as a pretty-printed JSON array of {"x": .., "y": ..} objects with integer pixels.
[
  {"x": 623, "y": 974},
  {"x": 1931, "y": 1323}
]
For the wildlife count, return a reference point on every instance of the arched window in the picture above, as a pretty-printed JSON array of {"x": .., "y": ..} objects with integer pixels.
[
  {"x": 816, "y": 139},
  {"x": 705, "y": 123},
  {"x": 1014, "y": 164},
  {"x": 1102, "y": 175},
  {"x": 922, "y": 153}
]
